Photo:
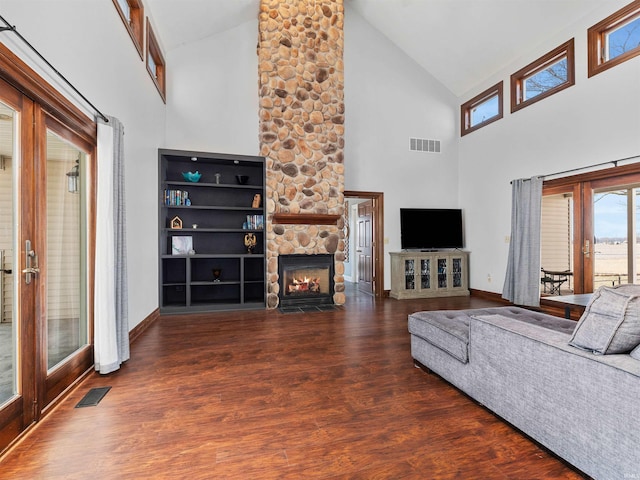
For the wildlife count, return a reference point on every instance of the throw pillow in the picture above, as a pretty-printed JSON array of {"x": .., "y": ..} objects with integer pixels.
[
  {"x": 611, "y": 322},
  {"x": 635, "y": 353}
]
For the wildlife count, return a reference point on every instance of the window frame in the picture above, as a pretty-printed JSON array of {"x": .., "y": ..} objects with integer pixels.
[
  {"x": 134, "y": 24},
  {"x": 566, "y": 50},
  {"x": 154, "y": 53},
  {"x": 465, "y": 108},
  {"x": 596, "y": 36}
]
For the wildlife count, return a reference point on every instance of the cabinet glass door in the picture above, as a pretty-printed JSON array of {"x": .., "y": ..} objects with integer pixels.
[
  {"x": 409, "y": 274},
  {"x": 425, "y": 273},
  {"x": 456, "y": 266},
  {"x": 442, "y": 273}
]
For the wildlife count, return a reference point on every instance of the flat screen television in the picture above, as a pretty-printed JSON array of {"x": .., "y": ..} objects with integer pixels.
[{"x": 430, "y": 228}]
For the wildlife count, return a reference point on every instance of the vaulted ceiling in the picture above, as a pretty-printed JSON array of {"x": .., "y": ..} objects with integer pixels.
[{"x": 460, "y": 42}]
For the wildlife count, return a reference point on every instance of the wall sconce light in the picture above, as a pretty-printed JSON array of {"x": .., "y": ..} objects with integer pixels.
[{"x": 73, "y": 178}]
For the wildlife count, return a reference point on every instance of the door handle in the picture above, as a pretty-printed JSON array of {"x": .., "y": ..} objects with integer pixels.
[{"x": 30, "y": 262}]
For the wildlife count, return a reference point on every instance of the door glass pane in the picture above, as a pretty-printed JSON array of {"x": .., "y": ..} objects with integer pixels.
[
  {"x": 610, "y": 245},
  {"x": 8, "y": 321},
  {"x": 557, "y": 243},
  {"x": 65, "y": 255}
]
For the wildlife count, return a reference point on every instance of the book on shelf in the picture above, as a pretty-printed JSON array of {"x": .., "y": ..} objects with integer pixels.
[
  {"x": 254, "y": 222},
  {"x": 176, "y": 198}
]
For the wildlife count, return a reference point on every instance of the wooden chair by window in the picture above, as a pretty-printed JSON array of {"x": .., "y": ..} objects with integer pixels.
[{"x": 552, "y": 280}]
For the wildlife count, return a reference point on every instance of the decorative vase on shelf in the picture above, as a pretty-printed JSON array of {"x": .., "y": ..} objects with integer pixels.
[{"x": 191, "y": 176}]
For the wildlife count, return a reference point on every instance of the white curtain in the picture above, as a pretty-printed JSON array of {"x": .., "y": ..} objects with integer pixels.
[
  {"x": 522, "y": 280},
  {"x": 111, "y": 323}
]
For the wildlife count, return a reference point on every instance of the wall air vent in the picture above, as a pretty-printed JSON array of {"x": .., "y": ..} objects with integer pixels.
[{"x": 424, "y": 145}]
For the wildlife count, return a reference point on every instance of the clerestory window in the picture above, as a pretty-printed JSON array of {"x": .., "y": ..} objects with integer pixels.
[
  {"x": 615, "y": 39},
  {"x": 155, "y": 62},
  {"x": 132, "y": 14},
  {"x": 481, "y": 110},
  {"x": 549, "y": 74}
]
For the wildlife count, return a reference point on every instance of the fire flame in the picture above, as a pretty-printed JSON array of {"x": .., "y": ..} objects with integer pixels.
[{"x": 305, "y": 284}]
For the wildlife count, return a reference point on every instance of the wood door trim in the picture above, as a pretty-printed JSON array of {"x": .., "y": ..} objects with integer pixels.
[
  {"x": 18, "y": 74},
  {"x": 597, "y": 175},
  {"x": 378, "y": 236}
]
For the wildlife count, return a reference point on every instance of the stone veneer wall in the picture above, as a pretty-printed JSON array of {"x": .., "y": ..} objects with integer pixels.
[{"x": 301, "y": 91}]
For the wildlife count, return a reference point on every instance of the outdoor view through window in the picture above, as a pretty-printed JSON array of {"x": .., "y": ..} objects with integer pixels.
[
  {"x": 622, "y": 39},
  {"x": 550, "y": 77}
]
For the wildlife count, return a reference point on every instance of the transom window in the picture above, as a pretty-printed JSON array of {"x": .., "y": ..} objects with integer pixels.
[
  {"x": 155, "y": 62},
  {"x": 549, "y": 74},
  {"x": 481, "y": 110},
  {"x": 132, "y": 14},
  {"x": 615, "y": 39}
]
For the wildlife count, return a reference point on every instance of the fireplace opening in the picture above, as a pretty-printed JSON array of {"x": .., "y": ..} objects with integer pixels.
[{"x": 306, "y": 279}]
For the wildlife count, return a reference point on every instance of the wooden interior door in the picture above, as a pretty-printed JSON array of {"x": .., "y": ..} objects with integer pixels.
[{"x": 365, "y": 249}]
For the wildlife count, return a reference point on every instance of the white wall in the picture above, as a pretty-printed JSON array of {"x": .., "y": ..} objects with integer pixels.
[
  {"x": 88, "y": 43},
  {"x": 212, "y": 103},
  {"x": 388, "y": 99},
  {"x": 213, "y": 106},
  {"x": 596, "y": 120}
]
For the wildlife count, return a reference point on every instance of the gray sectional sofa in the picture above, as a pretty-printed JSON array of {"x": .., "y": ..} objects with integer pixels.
[{"x": 583, "y": 406}]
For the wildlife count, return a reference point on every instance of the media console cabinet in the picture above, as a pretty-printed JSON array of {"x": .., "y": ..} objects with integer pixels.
[{"x": 429, "y": 274}]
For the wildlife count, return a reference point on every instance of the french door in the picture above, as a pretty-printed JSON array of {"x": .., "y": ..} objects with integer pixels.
[
  {"x": 45, "y": 329},
  {"x": 590, "y": 226}
]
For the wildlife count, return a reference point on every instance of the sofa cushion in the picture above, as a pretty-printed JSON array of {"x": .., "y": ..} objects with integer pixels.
[
  {"x": 611, "y": 322},
  {"x": 635, "y": 353},
  {"x": 447, "y": 330}
]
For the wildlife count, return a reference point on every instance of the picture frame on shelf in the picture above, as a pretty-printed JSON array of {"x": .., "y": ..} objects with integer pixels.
[{"x": 181, "y": 245}]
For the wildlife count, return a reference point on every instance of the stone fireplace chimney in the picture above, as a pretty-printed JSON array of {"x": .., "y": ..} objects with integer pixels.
[{"x": 301, "y": 91}]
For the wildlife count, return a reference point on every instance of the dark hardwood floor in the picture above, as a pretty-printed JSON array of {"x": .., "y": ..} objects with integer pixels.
[{"x": 266, "y": 395}]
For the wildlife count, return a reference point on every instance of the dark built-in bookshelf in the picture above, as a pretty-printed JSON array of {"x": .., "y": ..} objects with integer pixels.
[{"x": 204, "y": 227}]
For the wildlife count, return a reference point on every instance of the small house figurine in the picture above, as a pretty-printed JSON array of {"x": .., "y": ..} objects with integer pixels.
[{"x": 176, "y": 223}]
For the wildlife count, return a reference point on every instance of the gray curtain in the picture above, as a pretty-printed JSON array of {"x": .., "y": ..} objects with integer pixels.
[
  {"x": 522, "y": 280},
  {"x": 111, "y": 320}
]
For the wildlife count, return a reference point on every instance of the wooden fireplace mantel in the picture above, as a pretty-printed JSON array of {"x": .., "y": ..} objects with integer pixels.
[{"x": 305, "y": 218}]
